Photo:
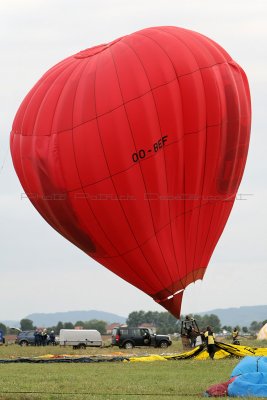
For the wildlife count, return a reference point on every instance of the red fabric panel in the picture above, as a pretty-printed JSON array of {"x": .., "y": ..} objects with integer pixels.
[{"x": 91, "y": 164}]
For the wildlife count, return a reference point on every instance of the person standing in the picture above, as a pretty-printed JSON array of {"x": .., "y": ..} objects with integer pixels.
[
  {"x": 235, "y": 334},
  {"x": 52, "y": 338},
  {"x": 44, "y": 337},
  {"x": 210, "y": 342},
  {"x": 193, "y": 337},
  {"x": 37, "y": 337}
]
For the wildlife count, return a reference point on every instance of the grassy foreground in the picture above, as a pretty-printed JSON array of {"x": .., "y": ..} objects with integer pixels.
[
  {"x": 161, "y": 380},
  {"x": 166, "y": 380}
]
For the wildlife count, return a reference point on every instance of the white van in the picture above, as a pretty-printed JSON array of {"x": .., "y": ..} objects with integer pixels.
[{"x": 80, "y": 338}]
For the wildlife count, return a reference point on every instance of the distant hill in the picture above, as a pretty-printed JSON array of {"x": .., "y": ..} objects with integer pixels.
[
  {"x": 51, "y": 319},
  {"x": 242, "y": 316}
]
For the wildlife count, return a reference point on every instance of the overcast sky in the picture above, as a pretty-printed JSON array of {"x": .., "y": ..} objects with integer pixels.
[{"x": 42, "y": 272}]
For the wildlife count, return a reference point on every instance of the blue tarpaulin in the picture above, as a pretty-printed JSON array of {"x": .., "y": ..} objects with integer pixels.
[
  {"x": 249, "y": 380},
  {"x": 250, "y": 364},
  {"x": 252, "y": 384}
]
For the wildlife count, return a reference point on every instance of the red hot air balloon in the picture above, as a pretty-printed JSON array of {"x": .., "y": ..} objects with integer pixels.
[{"x": 134, "y": 151}]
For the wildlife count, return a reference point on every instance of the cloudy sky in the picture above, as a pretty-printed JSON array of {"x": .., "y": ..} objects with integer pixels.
[{"x": 42, "y": 272}]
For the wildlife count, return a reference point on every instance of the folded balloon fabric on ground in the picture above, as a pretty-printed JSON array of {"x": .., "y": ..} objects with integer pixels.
[{"x": 223, "y": 350}]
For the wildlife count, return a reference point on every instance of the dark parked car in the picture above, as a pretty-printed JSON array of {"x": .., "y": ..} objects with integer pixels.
[
  {"x": 131, "y": 337},
  {"x": 26, "y": 338}
]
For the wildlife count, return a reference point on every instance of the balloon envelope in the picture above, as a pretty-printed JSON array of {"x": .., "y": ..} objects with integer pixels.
[{"x": 134, "y": 151}]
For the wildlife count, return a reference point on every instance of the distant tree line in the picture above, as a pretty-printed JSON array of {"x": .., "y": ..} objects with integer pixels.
[
  {"x": 99, "y": 325},
  {"x": 253, "y": 328},
  {"x": 164, "y": 323},
  {"x": 27, "y": 325}
]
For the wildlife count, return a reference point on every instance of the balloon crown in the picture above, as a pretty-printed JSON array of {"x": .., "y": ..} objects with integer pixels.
[{"x": 95, "y": 49}]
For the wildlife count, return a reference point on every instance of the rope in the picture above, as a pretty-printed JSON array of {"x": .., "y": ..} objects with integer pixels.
[
  {"x": 102, "y": 394},
  {"x": 4, "y": 160}
]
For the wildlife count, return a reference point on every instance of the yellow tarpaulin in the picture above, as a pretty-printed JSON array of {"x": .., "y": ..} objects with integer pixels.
[{"x": 200, "y": 353}]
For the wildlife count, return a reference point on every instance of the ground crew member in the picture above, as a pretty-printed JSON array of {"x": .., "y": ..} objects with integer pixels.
[
  {"x": 44, "y": 337},
  {"x": 235, "y": 334},
  {"x": 193, "y": 337},
  {"x": 52, "y": 338},
  {"x": 210, "y": 341},
  {"x": 36, "y": 338}
]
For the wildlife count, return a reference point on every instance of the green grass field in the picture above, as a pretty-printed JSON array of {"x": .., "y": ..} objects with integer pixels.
[{"x": 184, "y": 379}]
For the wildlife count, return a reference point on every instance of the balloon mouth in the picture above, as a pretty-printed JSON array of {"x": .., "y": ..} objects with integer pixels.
[
  {"x": 172, "y": 303},
  {"x": 95, "y": 49}
]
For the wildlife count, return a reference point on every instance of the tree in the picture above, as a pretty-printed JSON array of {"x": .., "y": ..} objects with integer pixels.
[
  {"x": 26, "y": 325},
  {"x": 227, "y": 328},
  {"x": 163, "y": 321},
  {"x": 210, "y": 320},
  {"x": 58, "y": 327},
  {"x": 136, "y": 318},
  {"x": 68, "y": 325},
  {"x": 3, "y": 328},
  {"x": 167, "y": 323},
  {"x": 255, "y": 327},
  {"x": 100, "y": 326},
  {"x": 79, "y": 323}
]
